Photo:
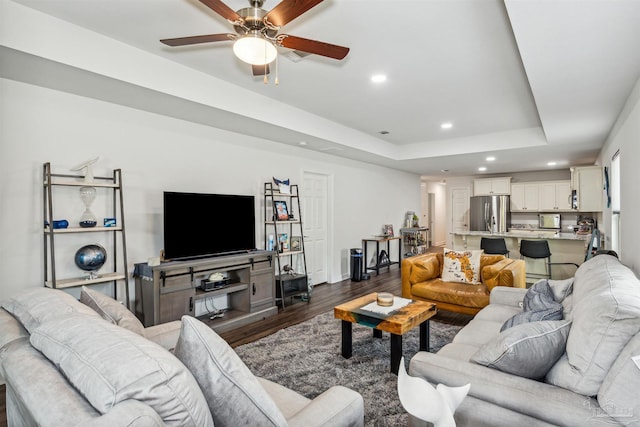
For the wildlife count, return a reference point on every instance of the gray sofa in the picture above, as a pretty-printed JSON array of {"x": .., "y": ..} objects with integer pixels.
[
  {"x": 91, "y": 363},
  {"x": 514, "y": 375}
]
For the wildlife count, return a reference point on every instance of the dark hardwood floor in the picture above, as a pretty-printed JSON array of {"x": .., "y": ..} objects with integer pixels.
[{"x": 323, "y": 299}]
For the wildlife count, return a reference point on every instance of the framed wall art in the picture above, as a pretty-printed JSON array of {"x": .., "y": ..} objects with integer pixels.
[
  {"x": 296, "y": 243},
  {"x": 282, "y": 214},
  {"x": 283, "y": 242}
]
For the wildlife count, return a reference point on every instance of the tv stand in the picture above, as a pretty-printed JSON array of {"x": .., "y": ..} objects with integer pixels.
[{"x": 170, "y": 290}]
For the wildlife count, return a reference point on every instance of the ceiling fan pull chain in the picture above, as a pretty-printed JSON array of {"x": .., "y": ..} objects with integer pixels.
[
  {"x": 266, "y": 79},
  {"x": 277, "y": 81}
]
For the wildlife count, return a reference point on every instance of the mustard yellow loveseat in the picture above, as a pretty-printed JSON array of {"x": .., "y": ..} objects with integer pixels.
[{"x": 421, "y": 280}]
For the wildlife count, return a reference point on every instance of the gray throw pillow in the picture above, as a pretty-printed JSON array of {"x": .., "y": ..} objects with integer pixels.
[
  {"x": 538, "y": 304},
  {"x": 41, "y": 305},
  {"x": 234, "y": 395},
  {"x": 528, "y": 350},
  {"x": 561, "y": 288},
  {"x": 108, "y": 365},
  {"x": 538, "y": 297},
  {"x": 111, "y": 310}
]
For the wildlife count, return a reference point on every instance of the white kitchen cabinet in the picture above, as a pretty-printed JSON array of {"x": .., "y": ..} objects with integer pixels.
[
  {"x": 587, "y": 182},
  {"x": 492, "y": 186},
  {"x": 525, "y": 197},
  {"x": 563, "y": 195},
  {"x": 555, "y": 196}
]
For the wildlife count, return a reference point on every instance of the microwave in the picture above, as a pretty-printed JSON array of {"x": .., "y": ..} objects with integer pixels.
[{"x": 549, "y": 221}]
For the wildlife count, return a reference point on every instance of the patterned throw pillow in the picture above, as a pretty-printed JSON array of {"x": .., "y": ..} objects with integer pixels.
[{"x": 461, "y": 266}]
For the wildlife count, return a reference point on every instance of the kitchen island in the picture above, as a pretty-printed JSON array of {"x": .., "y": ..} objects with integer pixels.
[{"x": 565, "y": 247}]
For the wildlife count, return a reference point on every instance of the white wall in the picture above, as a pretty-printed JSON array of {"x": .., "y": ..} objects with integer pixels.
[
  {"x": 158, "y": 153},
  {"x": 626, "y": 138}
]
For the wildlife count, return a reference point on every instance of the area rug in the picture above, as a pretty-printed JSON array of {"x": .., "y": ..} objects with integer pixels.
[{"x": 307, "y": 358}]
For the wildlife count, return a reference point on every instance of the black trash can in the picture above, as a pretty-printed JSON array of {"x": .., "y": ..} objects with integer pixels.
[{"x": 356, "y": 264}]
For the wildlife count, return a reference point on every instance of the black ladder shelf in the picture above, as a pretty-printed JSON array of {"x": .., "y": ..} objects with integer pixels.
[
  {"x": 290, "y": 250},
  {"x": 118, "y": 271}
]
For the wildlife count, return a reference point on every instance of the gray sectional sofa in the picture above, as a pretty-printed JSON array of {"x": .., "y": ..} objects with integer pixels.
[
  {"x": 575, "y": 371},
  {"x": 92, "y": 363}
]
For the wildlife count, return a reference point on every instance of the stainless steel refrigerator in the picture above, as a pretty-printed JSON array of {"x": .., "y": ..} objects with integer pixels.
[{"x": 490, "y": 213}]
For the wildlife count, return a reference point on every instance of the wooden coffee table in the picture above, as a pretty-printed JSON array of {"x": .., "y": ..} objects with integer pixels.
[{"x": 396, "y": 323}]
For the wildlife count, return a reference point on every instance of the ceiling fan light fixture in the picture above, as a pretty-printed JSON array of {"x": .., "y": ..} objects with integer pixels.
[{"x": 255, "y": 50}]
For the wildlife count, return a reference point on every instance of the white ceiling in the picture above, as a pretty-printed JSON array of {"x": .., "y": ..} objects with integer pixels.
[{"x": 526, "y": 81}]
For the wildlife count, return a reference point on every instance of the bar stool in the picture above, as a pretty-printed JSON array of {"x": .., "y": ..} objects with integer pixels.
[
  {"x": 494, "y": 246},
  {"x": 539, "y": 249}
]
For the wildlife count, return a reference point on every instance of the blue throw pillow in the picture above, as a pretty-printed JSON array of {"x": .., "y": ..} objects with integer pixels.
[{"x": 538, "y": 304}]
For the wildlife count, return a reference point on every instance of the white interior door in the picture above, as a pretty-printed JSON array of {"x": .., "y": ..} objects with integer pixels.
[
  {"x": 314, "y": 203},
  {"x": 460, "y": 209}
]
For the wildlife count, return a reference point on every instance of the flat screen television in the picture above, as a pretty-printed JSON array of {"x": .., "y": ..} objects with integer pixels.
[{"x": 198, "y": 225}]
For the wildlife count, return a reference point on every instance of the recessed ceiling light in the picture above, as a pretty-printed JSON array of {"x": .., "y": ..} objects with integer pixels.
[
  {"x": 384, "y": 132},
  {"x": 482, "y": 168},
  {"x": 444, "y": 170},
  {"x": 378, "y": 78},
  {"x": 551, "y": 163},
  {"x": 490, "y": 159},
  {"x": 446, "y": 125},
  {"x": 302, "y": 143}
]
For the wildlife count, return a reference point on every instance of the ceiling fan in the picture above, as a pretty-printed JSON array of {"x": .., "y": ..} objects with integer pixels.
[{"x": 257, "y": 35}]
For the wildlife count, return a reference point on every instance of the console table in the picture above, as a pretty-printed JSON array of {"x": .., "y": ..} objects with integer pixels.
[
  {"x": 170, "y": 290},
  {"x": 378, "y": 240}
]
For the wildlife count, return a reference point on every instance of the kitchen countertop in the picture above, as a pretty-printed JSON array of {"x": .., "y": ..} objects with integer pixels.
[{"x": 524, "y": 234}]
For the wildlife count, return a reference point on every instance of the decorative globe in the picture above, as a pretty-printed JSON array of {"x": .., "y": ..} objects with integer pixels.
[{"x": 90, "y": 257}]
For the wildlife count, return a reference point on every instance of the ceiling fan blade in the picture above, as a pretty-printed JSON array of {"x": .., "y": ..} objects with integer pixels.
[
  {"x": 260, "y": 70},
  {"x": 183, "y": 41},
  {"x": 222, "y": 9},
  {"x": 313, "y": 46},
  {"x": 288, "y": 10}
]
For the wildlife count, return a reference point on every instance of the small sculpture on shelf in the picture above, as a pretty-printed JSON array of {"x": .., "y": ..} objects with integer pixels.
[
  {"x": 283, "y": 185},
  {"x": 88, "y": 169},
  {"x": 287, "y": 269},
  {"x": 87, "y": 193},
  {"x": 90, "y": 258}
]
